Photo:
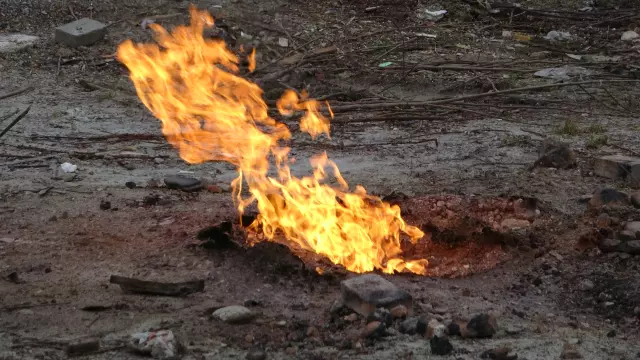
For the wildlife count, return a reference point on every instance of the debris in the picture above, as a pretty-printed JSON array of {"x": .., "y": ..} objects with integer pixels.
[
  {"x": 570, "y": 352},
  {"x": 563, "y": 73},
  {"x": 609, "y": 197},
  {"x": 556, "y": 155},
  {"x": 130, "y": 285},
  {"x": 217, "y": 237},
  {"x": 629, "y": 35},
  {"x": 440, "y": 346},
  {"x": 68, "y": 167},
  {"x": 184, "y": 183},
  {"x": 83, "y": 32},
  {"x": 83, "y": 346},
  {"x": 558, "y": 36},
  {"x": 15, "y": 42},
  {"x": 234, "y": 314},
  {"x": 367, "y": 292},
  {"x": 160, "y": 344},
  {"x": 283, "y": 42},
  {"x": 618, "y": 167},
  {"x": 480, "y": 326},
  {"x": 374, "y": 330}
]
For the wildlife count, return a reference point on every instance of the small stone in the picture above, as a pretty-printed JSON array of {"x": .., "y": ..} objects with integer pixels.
[
  {"x": 570, "y": 352},
  {"x": 556, "y": 255},
  {"x": 610, "y": 245},
  {"x": 313, "y": 332},
  {"x": 453, "y": 329},
  {"x": 382, "y": 315},
  {"x": 14, "y": 277},
  {"x": 636, "y": 310},
  {"x": 586, "y": 285},
  {"x": 83, "y": 32},
  {"x": 234, "y": 314},
  {"x": 480, "y": 326},
  {"x": 26, "y": 312},
  {"x": 635, "y": 200},
  {"x": 374, "y": 330},
  {"x": 250, "y": 338},
  {"x": 283, "y": 42},
  {"x": 421, "y": 326},
  {"x": 184, "y": 183},
  {"x": 158, "y": 160},
  {"x": 611, "y": 333},
  {"x": 281, "y": 323},
  {"x": 610, "y": 197},
  {"x": 631, "y": 247},
  {"x": 441, "y": 310},
  {"x": 399, "y": 312},
  {"x": 629, "y": 36},
  {"x": 440, "y": 346},
  {"x": 435, "y": 328},
  {"x": 409, "y": 326},
  {"x": 130, "y": 185},
  {"x": 83, "y": 346},
  {"x": 15, "y": 42},
  {"x": 573, "y": 341},
  {"x": 351, "y": 317},
  {"x": 501, "y": 353},
  {"x": 626, "y": 235},
  {"x": 367, "y": 292},
  {"x": 513, "y": 330},
  {"x": 256, "y": 354},
  {"x": 603, "y": 221},
  {"x": 633, "y": 226}
]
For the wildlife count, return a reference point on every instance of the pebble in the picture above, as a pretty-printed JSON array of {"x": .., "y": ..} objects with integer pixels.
[
  {"x": 608, "y": 196},
  {"x": 440, "y": 346},
  {"x": 184, "y": 183},
  {"x": 409, "y": 326},
  {"x": 234, "y": 314},
  {"x": 374, "y": 330},
  {"x": 105, "y": 205},
  {"x": 609, "y": 245},
  {"x": 351, "y": 317},
  {"x": 501, "y": 353},
  {"x": 480, "y": 326},
  {"x": 399, "y": 312},
  {"x": 453, "y": 329},
  {"x": 633, "y": 226},
  {"x": 636, "y": 310},
  {"x": 130, "y": 185},
  {"x": 441, "y": 310},
  {"x": 611, "y": 333},
  {"x": 570, "y": 352},
  {"x": 421, "y": 326}
]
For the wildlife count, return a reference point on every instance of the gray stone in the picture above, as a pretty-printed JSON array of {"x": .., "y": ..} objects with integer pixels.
[
  {"x": 618, "y": 167},
  {"x": 409, "y": 326},
  {"x": 81, "y": 32},
  {"x": 626, "y": 235},
  {"x": 367, "y": 292},
  {"x": 609, "y": 245},
  {"x": 629, "y": 35},
  {"x": 631, "y": 247},
  {"x": 184, "y": 183},
  {"x": 234, "y": 314},
  {"x": 633, "y": 226},
  {"x": 15, "y": 42}
]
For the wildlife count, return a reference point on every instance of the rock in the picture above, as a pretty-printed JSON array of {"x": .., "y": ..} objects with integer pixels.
[
  {"x": 556, "y": 155},
  {"x": 611, "y": 333},
  {"x": 636, "y": 310},
  {"x": 609, "y": 197},
  {"x": 501, "y": 353},
  {"x": 480, "y": 326},
  {"x": 15, "y": 42},
  {"x": 256, "y": 354},
  {"x": 367, "y": 292},
  {"x": 586, "y": 285},
  {"x": 629, "y": 36},
  {"x": 570, "y": 352},
  {"x": 374, "y": 330},
  {"x": 184, "y": 183},
  {"x": 603, "y": 221},
  {"x": 563, "y": 73},
  {"x": 453, "y": 329},
  {"x": 15, "y": 278},
  {"x": 618, "y": 167},
  {"x": 160, "y": 344},
  {"x": 351, "y": 317},
  {"x": 631, "y": 247},
  {"x": 421, "y": 326},
  {"x": 381, "y": 314},
  {"x": 435, "y": 328},
  {"x": 626, "y": 235},
  {"x": 635, "y": 200},
  {"x": 399, "y": 312},
  {"x": 441, "y": 310},
  {"x": 83, "y": 346},
  {"x": 83, "y": 32},
  {"x": 609, "y": 245},
  {"x": 633, "y": 226},
  {"x": 234, "y": 314},
  {"x": 558, "y": 36},
  {"x": 313, "y": 332},
  {"x": 105, "y": 205},
  {"x": 130, "y": 185},
  {"x": 409, "y": 326},
  {"x": 440, "y": 346}
]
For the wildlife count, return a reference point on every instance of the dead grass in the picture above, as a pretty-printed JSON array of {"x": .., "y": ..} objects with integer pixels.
[{"x": 596, "y": 141}]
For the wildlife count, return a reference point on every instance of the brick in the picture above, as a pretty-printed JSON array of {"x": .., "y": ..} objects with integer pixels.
[
  {"x": 618, "y": 167},
  {"x": 81, "y": 32},
  {"x": 367, "y": 292}
]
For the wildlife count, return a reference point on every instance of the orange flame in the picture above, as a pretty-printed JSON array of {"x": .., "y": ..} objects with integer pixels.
[{"x": 210, "y": 114}]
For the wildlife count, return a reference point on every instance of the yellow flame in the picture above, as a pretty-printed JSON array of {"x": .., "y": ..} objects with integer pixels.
[{"x": 210, "y": 114}]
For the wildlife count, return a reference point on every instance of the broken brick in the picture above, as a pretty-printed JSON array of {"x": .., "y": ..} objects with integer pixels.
[{"x": 367, "y": 292}]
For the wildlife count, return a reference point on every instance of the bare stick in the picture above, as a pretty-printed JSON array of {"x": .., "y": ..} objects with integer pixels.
[
  {"x": 15, "y": 121},
  {"x": 17, "y": 92},
  {"x": 130, "y": 285},
  {"x": 72, "y": 13}
]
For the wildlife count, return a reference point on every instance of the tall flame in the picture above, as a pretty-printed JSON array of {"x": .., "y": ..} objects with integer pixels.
[{"x": 209, "y": 113}]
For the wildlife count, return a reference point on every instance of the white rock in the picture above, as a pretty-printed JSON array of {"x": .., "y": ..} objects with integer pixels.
[
  {"x": 558, "y": 36},
  {"x": 234, "y": 314},
  {"x": 283, "y": 42},
  {"x": 14, "y": 42},
  {"x": 629, "y": 36},
  {"x": 68, "y": 167}
]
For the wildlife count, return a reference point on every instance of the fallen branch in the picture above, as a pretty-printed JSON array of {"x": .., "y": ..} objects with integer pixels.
[
  {"x": 130, "y": 285},
  {"x": 17, "y": 92},
  {"x": 461, "y": 68},
  {"x": 15, "y": 121}
]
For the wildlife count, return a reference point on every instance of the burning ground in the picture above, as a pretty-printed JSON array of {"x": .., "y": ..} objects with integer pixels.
[{"x": 513, "y": 251}]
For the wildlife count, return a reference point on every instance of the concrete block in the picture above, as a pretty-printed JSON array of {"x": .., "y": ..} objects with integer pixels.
[
  {"x": 367, "y": 292},
  {"x": 81, "y": 32},
  {"x": 618, "y": 167},
  {"x": 15, "y": 42}
]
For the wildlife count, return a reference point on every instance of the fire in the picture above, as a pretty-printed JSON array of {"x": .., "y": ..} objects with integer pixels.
[{"x": 210, "y": 113}]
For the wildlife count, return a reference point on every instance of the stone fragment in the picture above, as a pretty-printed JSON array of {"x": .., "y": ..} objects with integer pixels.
[
  {"x": 609, "y": 197},
  {"x": 184, "y": 183},
  {"x": 618, "y": 167},
  {"x": 609, "y": 245},
  {"x": 81, "y": 32},
  {"x": 367, "y": 292},
  {"x": 629, "y": 35},
  {"x": 234, "y": 314},
  {"x": 453, "y": 329},
  {"x": 83, "y": 346},
  {"x": 570, "y": 352},
  {"x": 15, "y": 42},
  {"x": 421, "y": 326},
  {"x": 480, "y": 326},
  {"x": 440, "y": 346}
]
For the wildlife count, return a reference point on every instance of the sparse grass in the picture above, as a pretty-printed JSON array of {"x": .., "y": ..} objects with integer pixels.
[
  {"x": 568, "y": 128},
  {"x": 595, "y": 141},
  {"x": 595, "y": 129},
  {"x": 515, "y": 140}
]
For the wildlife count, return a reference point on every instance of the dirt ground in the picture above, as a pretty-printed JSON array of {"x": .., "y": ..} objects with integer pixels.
[{"x": 63, "y": 245}]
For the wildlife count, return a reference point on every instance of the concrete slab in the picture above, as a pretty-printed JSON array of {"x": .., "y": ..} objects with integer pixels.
[{"x": 83, "y": 32}]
